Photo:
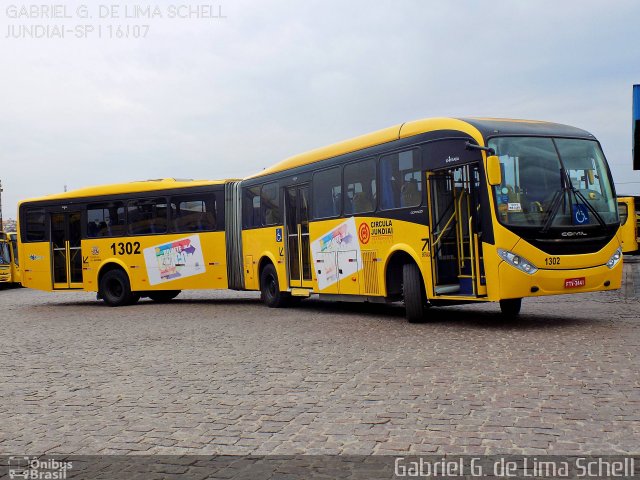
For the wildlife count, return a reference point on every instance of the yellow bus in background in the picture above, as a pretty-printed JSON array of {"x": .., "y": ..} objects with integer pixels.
[
  {"x": 16, "y": 271},
  {"x": 628, "y": 224},
  {"x": 434, "y": 212},
  {"x": 6, "y": 278},
  {"x": 126, "y": 241}
]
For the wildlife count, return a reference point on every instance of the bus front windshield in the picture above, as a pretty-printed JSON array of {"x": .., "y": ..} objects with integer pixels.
[
  {"x": 5, "y": 257},
  {"x": 553, "y": 182}
]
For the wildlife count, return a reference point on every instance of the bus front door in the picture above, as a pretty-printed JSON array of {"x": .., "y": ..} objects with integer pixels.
[
  {"x": 67, "y": 254},
  {"x": 297, "y": 233},
  {"x": 456, "y": 257}
]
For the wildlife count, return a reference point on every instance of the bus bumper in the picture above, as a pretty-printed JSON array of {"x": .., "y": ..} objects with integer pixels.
[{"x": 517, "y": 284}]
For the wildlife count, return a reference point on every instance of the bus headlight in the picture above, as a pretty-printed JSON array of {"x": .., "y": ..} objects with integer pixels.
[
  {"x": 517, "y": 261},
  {"x": 615, "y": 258}
]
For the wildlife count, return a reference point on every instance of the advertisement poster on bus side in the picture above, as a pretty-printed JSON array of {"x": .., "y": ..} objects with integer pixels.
[
  {"x": 174, "y": 260},
  {"x": 329, "y": 253}
]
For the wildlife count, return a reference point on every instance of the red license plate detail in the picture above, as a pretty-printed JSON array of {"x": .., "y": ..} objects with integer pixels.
[{"x": 575, "y": 282}]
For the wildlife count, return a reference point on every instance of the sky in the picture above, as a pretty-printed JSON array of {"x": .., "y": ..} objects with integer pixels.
[{"x": 226, "y": 97}]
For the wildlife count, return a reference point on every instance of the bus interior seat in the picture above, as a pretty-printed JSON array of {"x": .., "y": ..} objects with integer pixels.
[
  {"x": 362, "y": 202},
  {"x": 410, "y": 193}
]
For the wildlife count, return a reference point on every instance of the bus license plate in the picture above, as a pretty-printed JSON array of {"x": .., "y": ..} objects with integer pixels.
[{"x": 574, "y": 282}]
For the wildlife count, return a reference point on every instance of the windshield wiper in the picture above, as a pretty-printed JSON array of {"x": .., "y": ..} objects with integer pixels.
[
  {"x": 558, "y": 197},
  {"x": 566, "y": 189}
]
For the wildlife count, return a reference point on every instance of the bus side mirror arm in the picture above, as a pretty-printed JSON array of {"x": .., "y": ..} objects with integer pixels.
[
  {"x": 494, "y": 174},
  {"x": 475, "y": 146}
]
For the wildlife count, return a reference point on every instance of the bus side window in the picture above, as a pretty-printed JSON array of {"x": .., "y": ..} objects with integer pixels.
[
  {"x": 251, "y": 207},
  {"x": 147, "y": 216},
  {"x": 359, "y": 183},
  {"x": 35, "y": 226},
  {"x": 193, "y": 213},
  {"x": 327, "y": 193},
  {"x": 105, "y": 220},
  {"x": 623, "y": 211},
  {"x": 270, "y": 204},
  {"x": 400, "y": 180}
]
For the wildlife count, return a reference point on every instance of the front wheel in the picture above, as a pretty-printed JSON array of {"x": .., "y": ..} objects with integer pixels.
[
  {"x": 115, "y": 289},
  {"x": 511, "y": 307},
  {"x": 163, "y": 296},
  {"x": 270, "y": 289},
  {"x": 413, "y": 293}
]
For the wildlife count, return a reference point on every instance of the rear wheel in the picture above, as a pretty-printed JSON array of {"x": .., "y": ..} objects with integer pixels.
[
  {"x": 270, "y": 289},
  {"x": 511, "y": 307},
  {"x": 413, "y": 293},
  {"x": 163, "y": 296},
  {"x": 115, "y": 289}
]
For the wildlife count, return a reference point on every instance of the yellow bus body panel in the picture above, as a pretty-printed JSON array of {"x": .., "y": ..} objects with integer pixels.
[
  {"x": 369, "y": 277},
  {"x": 35, "y": 259},
  {"x": 259, "y": 244},
  {"x": 98, "y": 252},
  {"x": 517, "y": 284}
]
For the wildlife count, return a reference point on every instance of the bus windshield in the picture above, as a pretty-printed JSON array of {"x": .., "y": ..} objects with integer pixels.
[
  {"x": 553, "y": 182},
  {"x": 5, "y": 257}
]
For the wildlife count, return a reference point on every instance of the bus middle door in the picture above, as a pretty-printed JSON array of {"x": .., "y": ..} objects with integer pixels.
[
  {"x": 297, "y": 233},
  {"x": 66, "y": 240}
]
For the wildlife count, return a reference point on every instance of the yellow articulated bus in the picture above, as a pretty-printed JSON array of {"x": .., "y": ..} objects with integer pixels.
[
  {"x": 126, "y": 241},
  {"x": 434, "y": 212},
  {"x": 628, "y": 224}
]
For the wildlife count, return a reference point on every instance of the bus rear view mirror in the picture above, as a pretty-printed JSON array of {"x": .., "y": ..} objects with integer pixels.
[{"x": 494, "y": 173}]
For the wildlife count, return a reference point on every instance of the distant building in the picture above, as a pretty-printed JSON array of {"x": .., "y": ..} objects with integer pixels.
[{"x": 9, "y": 225}]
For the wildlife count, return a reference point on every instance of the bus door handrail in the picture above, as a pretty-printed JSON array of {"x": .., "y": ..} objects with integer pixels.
[{"x": 444, "y": 229}]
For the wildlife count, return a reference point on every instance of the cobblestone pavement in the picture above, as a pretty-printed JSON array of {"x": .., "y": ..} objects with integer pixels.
[{"x": 217, "y": 372}]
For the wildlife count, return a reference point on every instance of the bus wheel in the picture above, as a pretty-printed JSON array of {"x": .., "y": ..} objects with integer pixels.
[
  {"x": 270, "y": 288},
  {"x": 511, "y": 307},
  {"x": 412, "y": 292},
  {"x": 163, "y": 296},
  {"x": 115, "y": 289}
]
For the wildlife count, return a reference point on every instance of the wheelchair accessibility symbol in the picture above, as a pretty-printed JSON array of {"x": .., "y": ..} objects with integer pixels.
[
  {"x": 580, "y": 214},
  {"x": 278, "y": 235}
]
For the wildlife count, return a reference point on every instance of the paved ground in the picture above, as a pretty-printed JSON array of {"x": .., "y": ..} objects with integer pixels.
[{"x": 216, "y": 372}]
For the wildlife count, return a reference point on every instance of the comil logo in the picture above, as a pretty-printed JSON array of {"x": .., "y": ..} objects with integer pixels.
[
  {"x": 38, "y": 469},
  {"x": 451, "y": 159}
]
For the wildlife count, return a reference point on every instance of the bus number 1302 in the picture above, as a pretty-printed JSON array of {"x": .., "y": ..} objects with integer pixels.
[{"x": 126, "y": 247}]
